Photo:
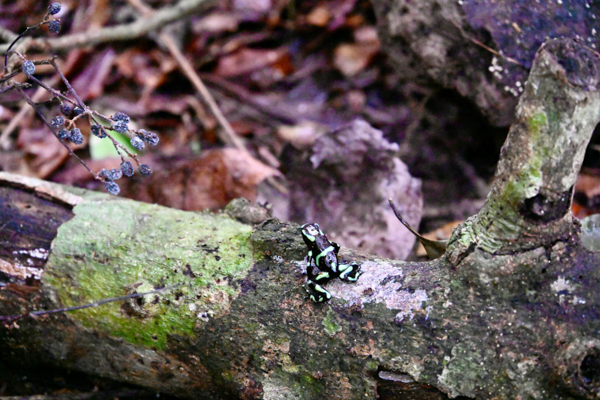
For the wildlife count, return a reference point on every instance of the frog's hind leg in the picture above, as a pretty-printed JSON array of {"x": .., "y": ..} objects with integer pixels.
[
  {"x": 349, "y": 272},
  {"x": 321, "y": 278},
  {"x": 318, "y": 293}
]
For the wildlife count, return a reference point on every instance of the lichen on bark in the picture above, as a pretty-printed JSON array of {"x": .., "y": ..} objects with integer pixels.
[{"x": 529, "y": 203}]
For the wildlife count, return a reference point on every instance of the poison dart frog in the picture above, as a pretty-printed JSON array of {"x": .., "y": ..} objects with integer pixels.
[{"x": 324, "y": 254}]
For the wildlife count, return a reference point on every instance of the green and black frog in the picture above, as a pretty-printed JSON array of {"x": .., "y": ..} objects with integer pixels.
[{"x": 323, "y": 253}]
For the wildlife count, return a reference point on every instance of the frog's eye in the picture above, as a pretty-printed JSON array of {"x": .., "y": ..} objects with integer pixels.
[
  {"x": 318, "y": 229},
  {"x": 310, "y": 230}
]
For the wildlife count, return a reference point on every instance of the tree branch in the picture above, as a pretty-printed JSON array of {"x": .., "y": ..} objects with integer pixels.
[
  {"x": 139, "y": 28},
  {"x": 529, "y": 204}
]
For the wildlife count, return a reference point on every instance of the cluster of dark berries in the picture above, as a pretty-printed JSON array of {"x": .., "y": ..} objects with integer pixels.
[
  {"x": 99, "y": 131},
  {"x": 54, "y": 25},
  {"x": 64, "y": 124},
  {"x": 110, "y": 176},
  {"x": 120, "y": 122},
  {"x": 28, "y": 68},
  {"x": 149, "y": 137},
  {"x": 74, "y": 135},
  {"x": 141, "y": 137},
  {"x": 54, "y": 8}
]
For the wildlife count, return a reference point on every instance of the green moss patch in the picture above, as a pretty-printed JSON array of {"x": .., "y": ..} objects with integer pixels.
[
  {"x": 536, "y": 124},
  {"x": 118, "y": 247},
  {"x": 331, "y": 323}
]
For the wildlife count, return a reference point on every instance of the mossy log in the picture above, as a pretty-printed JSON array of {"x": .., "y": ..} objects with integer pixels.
[{"x": 510, "y": 311}]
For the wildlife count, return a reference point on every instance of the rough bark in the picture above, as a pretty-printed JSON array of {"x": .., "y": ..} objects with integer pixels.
[
  {"x": 429, "y": 41},
  {"x": 511, "y": 310},
  {"x": 483, "y": 49}
]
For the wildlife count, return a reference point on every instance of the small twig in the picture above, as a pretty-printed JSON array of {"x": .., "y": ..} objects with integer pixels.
[
  {"x": 13, "y": 85},
  {"x": 13, "y": 318},
  {"x": 54, "y": 92},
  {"x": 230, "y": 137},
  {"x": 139, "y": 28},
  {"x": 14, "y": 122},
  {"x": 488, "y": 48},
  {"x": 9, "y": 76},
  {"x": 68, "y": 85}
]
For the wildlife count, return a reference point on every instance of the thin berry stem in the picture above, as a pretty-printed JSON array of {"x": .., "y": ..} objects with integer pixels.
[
  {"x": 9, "y": 51},
  {"x": 54, "y": 92},
  {"x": 68, "y": 85},
  {"x": 39, "y": 113},
  {"x": 13, "y": 85},
  {"x": 9, "y": 76}
]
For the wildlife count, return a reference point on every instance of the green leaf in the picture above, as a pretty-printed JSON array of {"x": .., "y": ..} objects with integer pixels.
[{"x": 103, "y": 148}]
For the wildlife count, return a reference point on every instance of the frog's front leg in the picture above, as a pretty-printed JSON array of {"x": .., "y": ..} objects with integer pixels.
[
  {"x": 336, "y": 247},
  {"x": 309, "y": 259},
  {"x": 349, "y": 272}
]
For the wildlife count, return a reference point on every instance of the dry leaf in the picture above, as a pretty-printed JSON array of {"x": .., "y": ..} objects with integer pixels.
[
  {"x": 209, "y": 182},
  {"x": 303, "y": 135},
  {"x": 345, "y": 184},
  {"x": 44, "y": 152},
  {"x": 350, "y": 59},
  {"x": 247, "y": 60},
  {"x": 319, "y": 16},
  {"x": 442, "y": 233},
  {"x": 587, "y": 195}
]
